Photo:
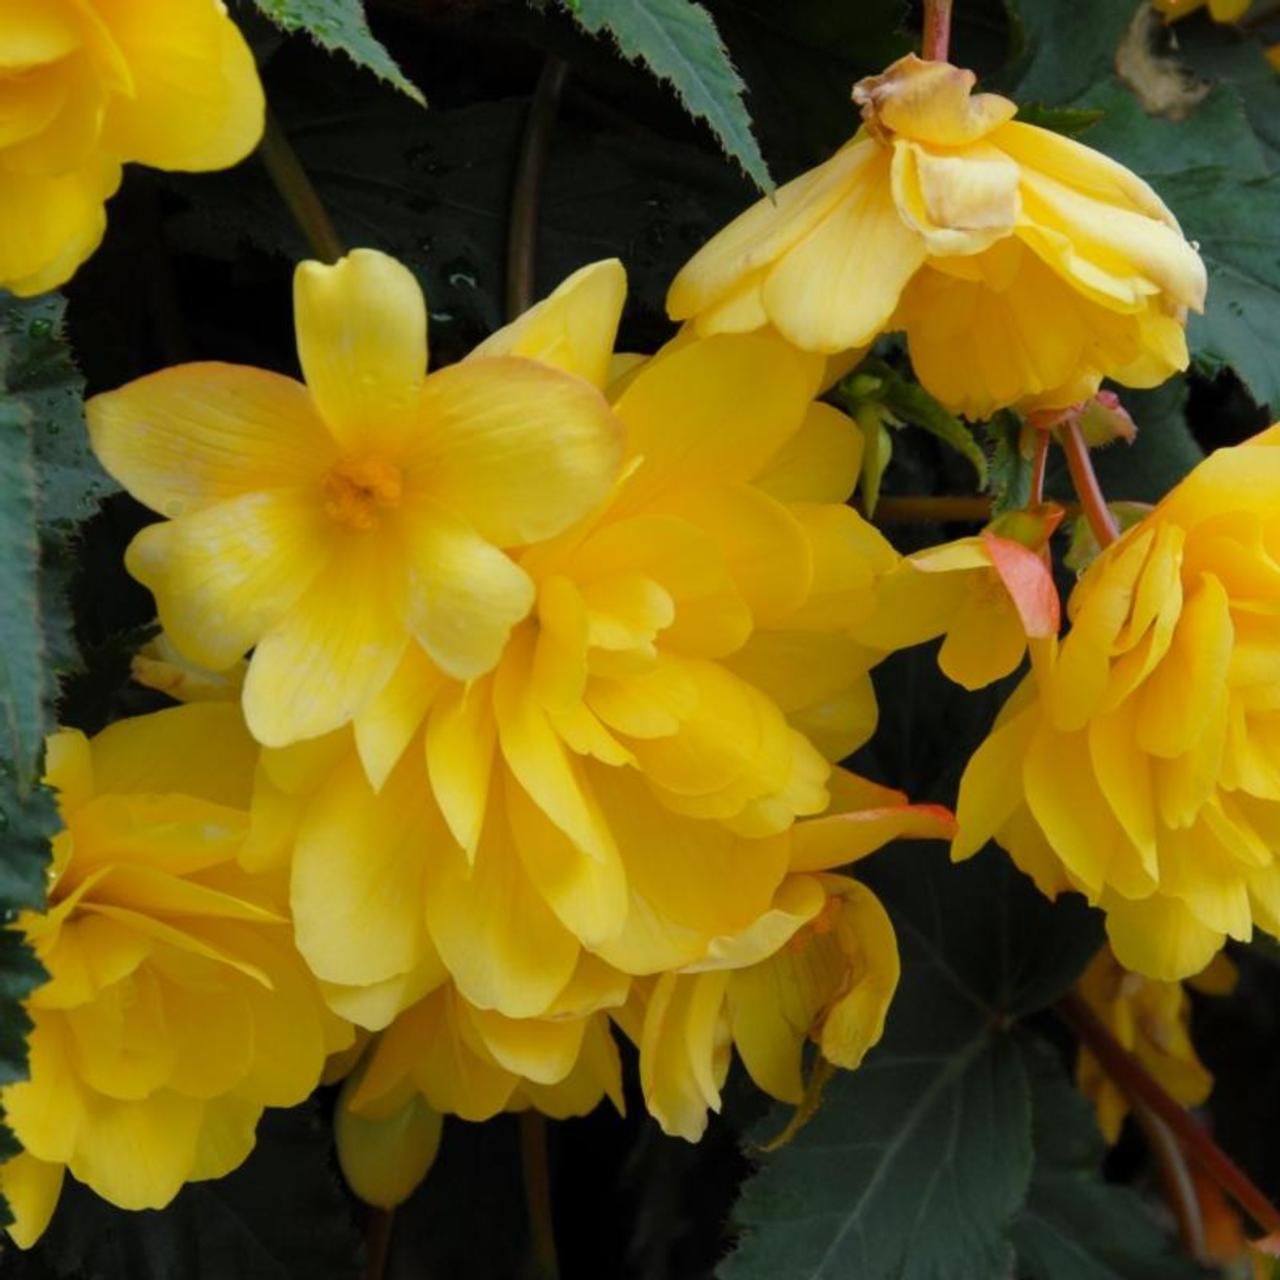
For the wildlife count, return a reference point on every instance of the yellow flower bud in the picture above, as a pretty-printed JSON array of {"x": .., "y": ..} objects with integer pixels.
[{"x": 1023, "y": 267}]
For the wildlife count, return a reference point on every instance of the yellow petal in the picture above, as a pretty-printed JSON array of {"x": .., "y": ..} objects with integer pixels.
[
  {"x": 388, "y": 721},
  {"x": 461, "y": 737},
  {"x": 713, "y": 412},
  {"x": 137, "y": 1155},
  {"x": 190, "y": 436},
  {"x": 519, "y": 450},
  {"x": 31, "y": 1189},
  {"x": 455, "y": 1074},
  {"x": 331, "y": 653},
  {"x": 501, "y": 942},
  {"x": 37, "y": 32},
  {"x": 840, "y": 285},
  {"x": 362, "y": 340},
  {"x": 464, "y": 594},
  {"x": 224, "y": 575},
  {"x": 960, "y": 203},
  {"x": 932, "y": 101},
  {"x": 766, "y": 231},
  {"x": 1159, "y": 937},
  {"x": 49, "y": 224},
  {"x": 358, "y": 868},
  {"x": 197, "y": 102},
  {"x": 47, "y": 1112},
  {"x": 573, "y": 328},
  {"x": 384, "y": 1159},
  {"x": 228, "y": 1131},
  {"x": 542, "y": 1050},
  {"x": 820, "y": 463},
  {"x": 985, "y": 641}
]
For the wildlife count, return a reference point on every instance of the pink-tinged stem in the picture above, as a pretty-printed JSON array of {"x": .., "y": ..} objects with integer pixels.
[
  {"x": 1038, "y": 468},
  {"x": 1092, "y": 503},
  {"x": 1139, "y": 1086},
  {"x": 936, "y": 44}
]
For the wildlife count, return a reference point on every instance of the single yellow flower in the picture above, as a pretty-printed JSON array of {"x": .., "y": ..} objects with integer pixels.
[
  {"x": 177, "y": 1007},
  {"x": 1023, "y": 267},
  {"x": 625, "y": 778},
  {"x": 1152, "y": 1020},
  {"x": 89, "y": 85},
  {"x": 336, "y": 527},
  {"x": 445, "y": 1056},
  {"x": 985, "y": 594},
  {"x": 1139, "y": 763},
  {"x": 1219, "y": 10}
]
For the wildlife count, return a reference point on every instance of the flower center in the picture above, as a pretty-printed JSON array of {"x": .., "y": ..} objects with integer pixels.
[{"x": 357, "y": 490}]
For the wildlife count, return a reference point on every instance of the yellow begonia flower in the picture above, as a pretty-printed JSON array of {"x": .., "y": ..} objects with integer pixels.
[
  {"x": 1022, "y": 266},
  {"x": 624, "y": 780},
  {"x": 177, "y": 1007},
  {"x": 1139, "y": 763},
  {"x": 1152, "y": 1020},
  {"x": 89, "y": 85},
  {"x": 342, "y": 527},
  {"x": 445, "y": 1056},
  {"x": 985, "y": 594},
  {"x": 1219, "y": 10}
]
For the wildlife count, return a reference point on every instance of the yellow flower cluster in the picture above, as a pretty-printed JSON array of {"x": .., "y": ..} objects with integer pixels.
[{"x": 515, "y": 690}]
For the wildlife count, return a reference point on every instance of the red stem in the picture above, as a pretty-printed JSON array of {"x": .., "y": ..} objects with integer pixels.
[
  {"x": 1038, "y": 469},
  {"x": 936, "y": 43},
  {"x": 1092, "y": 503},
  {"x": 1136, "y": 1083}
]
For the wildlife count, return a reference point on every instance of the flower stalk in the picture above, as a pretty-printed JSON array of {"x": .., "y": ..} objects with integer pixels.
[
  {"x": 936, "y": 43},
  {"x": 1141, "y": 1088},
  {"x": 537, "y": 1194},
  {"x": 1092, "y": 503},
  {"x": 299, "y": 195}
]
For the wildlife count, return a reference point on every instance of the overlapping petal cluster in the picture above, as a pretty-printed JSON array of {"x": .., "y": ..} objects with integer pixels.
[
  {"x": 1139, "y": 762},
  {"x": 1152, "y": 1020},
  {"x": 177, "y": 1007},
  {"x": 90, "y": 85},
  {"x": 1022, "y": 266}
]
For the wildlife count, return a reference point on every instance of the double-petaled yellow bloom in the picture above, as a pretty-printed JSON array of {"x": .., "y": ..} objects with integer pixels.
[
  {"x": 89, "y": 85},
  {"x": 1022, "y": 266},
  {"x": 177, "y": 1007},
  {"x": 1152, "y": 1020},
  {"x": 625, "y": 778},
  {"x": 1139, "y": 763},
  {"x": 1219, "y": 10},
  {"x": 343, "y": 526}
]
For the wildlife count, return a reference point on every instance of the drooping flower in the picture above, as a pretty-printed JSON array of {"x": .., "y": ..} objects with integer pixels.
[
  {"x": 1152, "y": 1020},
  {"x": 1139, "y": 763},
  {"x": 624, "y": 780},
  {"x": 337, "y": 527},
  {"x": 1023, "y": 266},
  {"x": 985, "y": 594},
  {"x": 177, "y": 1007},
  {"x": 827, "y": 974},
  {"x": 444, "y": 1056},
  {"x": 90, "y": 85}
]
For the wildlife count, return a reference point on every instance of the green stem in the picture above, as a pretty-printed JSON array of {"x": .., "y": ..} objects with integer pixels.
[
  {"x": 522, "y": 229},
  {"x": 544, "y": 1264},
  {"x": 1092, "y": 503},
  {"x": 377, "y": 1242},
  {"x": 936, "y": 44},
  {"x": 1140, "y": 1087},
  {"x": 299, "y": 196}
]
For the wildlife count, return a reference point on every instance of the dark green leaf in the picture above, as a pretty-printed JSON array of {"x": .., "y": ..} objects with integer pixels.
[
  {"x": 678, "y": 41},
  {"x": 281, "y": 1216},
  {"x": 911, "y": 403},
  {"x": 917, "y": 1163},
  {"x": 1074, "y": 1226},
  {"x": 340, "y": 25},
  {"x": 1009, "y": 470}
]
